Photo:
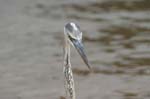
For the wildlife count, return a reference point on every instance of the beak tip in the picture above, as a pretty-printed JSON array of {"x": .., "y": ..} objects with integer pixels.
[{"x": 89, "y": 67}]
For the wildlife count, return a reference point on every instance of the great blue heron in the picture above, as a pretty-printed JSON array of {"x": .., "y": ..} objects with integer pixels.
[{"x": 72, "y": 36}]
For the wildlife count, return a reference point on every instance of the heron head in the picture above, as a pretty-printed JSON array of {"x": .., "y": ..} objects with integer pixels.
[
  {"x": 74, "y": 35},
  {"x": 73, "y": 31}
]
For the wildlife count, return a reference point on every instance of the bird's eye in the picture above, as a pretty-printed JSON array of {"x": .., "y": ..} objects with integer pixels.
[{"x": 71, "y": 38}]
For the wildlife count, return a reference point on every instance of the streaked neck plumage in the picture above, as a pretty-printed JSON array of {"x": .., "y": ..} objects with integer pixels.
[
  {"x": 69, "y": 81},
  {"x": 72, "y": 36}
]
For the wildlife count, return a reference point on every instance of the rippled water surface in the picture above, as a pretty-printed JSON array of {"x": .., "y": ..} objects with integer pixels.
[
  {"x": 120, "y": 30},
  {"x": 116, "y": 35}
]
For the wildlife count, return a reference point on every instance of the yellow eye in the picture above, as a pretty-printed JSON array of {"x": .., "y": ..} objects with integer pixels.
[
  {"x": 73, "y": 30},
  {"x": 71, "y": 38}
]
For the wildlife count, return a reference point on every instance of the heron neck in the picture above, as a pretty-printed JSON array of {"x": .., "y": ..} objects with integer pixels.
[{"x": 67, "y": 54}]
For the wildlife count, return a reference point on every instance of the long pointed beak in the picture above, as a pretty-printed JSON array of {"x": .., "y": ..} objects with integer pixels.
[{"x": 79, "y": 47}]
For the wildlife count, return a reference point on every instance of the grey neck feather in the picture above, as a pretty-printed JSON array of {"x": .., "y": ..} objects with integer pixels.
[
  {"x": 67, "y": 54},
  {"x": 68, "y": 76}
]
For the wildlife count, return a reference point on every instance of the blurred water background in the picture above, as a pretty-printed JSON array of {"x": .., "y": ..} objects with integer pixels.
[{"x": 116, "y": 36}]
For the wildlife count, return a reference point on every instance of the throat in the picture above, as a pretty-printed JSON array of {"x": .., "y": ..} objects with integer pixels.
[
  {"x": 67, "y": 59},
  {"x": 67, "y": 55}
]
